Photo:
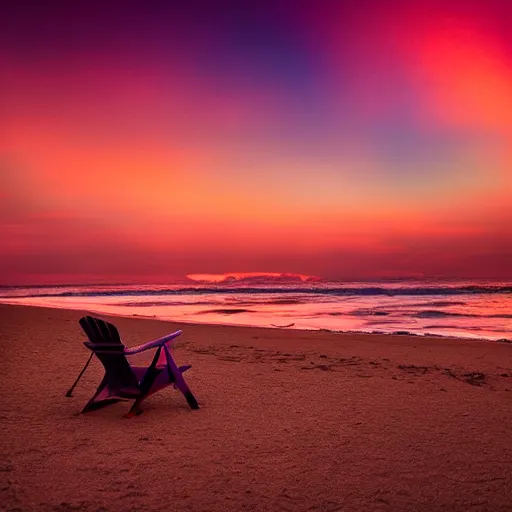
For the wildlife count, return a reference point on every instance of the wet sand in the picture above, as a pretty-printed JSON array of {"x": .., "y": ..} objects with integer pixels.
[{"x": 289, "y": 420}]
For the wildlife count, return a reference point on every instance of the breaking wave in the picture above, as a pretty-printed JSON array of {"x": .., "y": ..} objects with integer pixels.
[
  {"x": 310, "y": 290},
  {"x": 432, "y": 313}
]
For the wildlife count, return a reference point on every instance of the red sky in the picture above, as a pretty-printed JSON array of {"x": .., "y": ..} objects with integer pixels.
[{"x": 336, "y": 139}]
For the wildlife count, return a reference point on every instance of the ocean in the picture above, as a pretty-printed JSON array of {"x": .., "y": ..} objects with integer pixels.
[{"x": 479, "y": 310}]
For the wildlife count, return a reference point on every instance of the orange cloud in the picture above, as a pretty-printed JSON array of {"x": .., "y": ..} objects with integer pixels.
[{"x": 248, "y": 276}]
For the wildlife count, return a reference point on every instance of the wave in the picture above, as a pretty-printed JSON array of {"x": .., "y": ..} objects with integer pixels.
[
  {"x": 309, "y": 290},
  {"x": 264, "y": 301},
  {"x": 445, "y": 303},
  {"x": 147, "y": 304},
  {"x": 369, "y": 312},
  {"x": 433, "y": 313},
  {"x": 448, "y": 326},
  {"x": 226, "y": 311}
]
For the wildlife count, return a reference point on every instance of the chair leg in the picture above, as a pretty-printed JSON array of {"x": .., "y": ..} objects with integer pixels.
[
  {"x": 145, "y": 386},
  {"x": 179, "y": 381},
  {"x": 183, "y": 387},
  {"x": 136, "y": 409},
  {"x": 191, "y": 400},
  {"x": 92, "y": 404}
]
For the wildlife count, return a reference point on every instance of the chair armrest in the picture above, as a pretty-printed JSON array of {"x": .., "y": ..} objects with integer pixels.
[
  {"x": 105, "y": 348},
  {"x": 151, "y": 344}
]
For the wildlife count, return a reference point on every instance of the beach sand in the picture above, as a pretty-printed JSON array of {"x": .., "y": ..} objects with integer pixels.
[{"x": 289, "y": 420}]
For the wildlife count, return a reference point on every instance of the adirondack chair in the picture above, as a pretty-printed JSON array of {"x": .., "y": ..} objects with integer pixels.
[{"x": 123, "y": 381}]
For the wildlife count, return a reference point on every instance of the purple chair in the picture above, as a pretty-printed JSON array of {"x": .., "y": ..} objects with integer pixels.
[{"x": 123, "y": 381}]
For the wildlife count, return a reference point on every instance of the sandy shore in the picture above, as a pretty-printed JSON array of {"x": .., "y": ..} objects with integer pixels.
[{"x": 289, "y": 420}]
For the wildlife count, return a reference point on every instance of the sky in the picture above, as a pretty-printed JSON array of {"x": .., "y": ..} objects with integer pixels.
[{"x": 348, "y": 140}]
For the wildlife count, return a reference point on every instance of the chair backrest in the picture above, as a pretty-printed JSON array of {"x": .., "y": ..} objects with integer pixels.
[{"x": 105, "y": 342}]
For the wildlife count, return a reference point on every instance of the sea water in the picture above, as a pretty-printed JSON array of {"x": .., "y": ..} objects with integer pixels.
[{"x": 468, "y": 309}]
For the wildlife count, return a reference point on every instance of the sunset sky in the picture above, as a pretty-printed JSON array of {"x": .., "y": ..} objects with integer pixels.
[{"x": 344, "y": 139}]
